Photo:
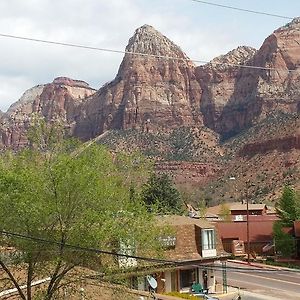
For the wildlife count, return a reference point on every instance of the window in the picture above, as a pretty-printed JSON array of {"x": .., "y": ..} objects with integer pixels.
[
  {"x": 187, "y": 277},
  {"x": 208, "y": 239}
]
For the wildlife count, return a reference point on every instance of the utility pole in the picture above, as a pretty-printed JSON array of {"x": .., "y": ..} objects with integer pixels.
[
  {"x": 224, "y": 275},
  {"x": 248, "y": 229},
  {"x": 248, "y": 233}
]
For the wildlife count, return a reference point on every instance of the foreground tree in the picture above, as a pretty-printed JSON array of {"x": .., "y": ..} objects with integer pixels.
[
  {"x": 288, "y": 206},
  {"x": 159, "y": 193},
  {"x": 51, "y": 199},
  {"x": 284, "y": 242},
  {"x": 288, "y": 210}
]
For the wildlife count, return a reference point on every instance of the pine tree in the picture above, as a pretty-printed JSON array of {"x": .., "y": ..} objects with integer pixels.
[{"x": 288, "y": 206}]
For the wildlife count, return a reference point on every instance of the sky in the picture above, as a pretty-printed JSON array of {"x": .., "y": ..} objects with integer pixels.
[{"x": 202, "y": 31}]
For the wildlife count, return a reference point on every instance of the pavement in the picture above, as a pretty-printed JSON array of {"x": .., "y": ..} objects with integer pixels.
[
  {"x": 233, "y": 292},
  {"x": 259, "y": 265}
]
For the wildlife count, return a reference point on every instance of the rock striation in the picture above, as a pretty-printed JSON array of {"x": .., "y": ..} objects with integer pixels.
[
  {"x": 150, "y": 93},
  {"x": 236, "y": 98},
  {"x": 60, "y": 100},
  {"x": 157, "y": 88},
  {"x": 283, "y": 144},
  {"x": 194, "y": 173},
  {"x": 218, "y": 82}
]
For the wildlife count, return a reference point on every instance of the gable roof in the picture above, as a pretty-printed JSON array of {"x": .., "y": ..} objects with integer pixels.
[
  {"x": 174, "y": 220},
  {"x": 234, "y": 206}
]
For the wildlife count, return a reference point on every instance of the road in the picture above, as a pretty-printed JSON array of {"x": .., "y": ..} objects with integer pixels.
[{"x": 257, "y": 283}]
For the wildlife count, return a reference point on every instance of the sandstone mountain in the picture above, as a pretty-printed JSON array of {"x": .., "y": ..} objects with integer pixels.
[
  {"x": 60, "y": 100},
  {"x": 235, "y": 117},
  {"x": 149, "y": 93},
  {"x": 235, "y": 98}
]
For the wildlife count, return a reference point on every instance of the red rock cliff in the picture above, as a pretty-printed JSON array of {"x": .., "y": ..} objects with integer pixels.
[
  {"x": 59, "y": 100},
  {"x": 149, "y": 93}
]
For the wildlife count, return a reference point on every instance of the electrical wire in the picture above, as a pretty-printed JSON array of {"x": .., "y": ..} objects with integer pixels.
[
  {"x": 243, "y": 9},
  {"x": 76, "y": 247},
  {"x": 142, "y": 54},
  {"x": 163, "y": 262}
]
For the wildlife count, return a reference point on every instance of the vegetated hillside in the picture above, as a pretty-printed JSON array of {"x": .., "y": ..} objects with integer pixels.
[
  {"x": 181, "y": 144},
  {"x": 191, "y": 156},
  {"x": 260, "y": 161}
]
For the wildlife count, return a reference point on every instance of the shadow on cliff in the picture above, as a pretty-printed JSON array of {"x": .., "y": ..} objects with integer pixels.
[{"x": 243, "y": 107}]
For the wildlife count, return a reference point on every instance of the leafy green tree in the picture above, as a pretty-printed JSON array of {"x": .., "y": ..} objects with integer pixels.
[
  {"x": 284, "y": 242},
  {"x": 160, "y": 194},
  {"x": 51, "y": 194},
  {"x": 288, "y": 210},
  {"x": 288, "y": 206}
]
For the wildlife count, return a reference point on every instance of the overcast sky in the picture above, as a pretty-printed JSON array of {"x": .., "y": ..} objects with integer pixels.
[{"x": 201, "y": 31}]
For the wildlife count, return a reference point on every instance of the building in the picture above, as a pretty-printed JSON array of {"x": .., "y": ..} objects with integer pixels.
[
  {"x": 238, "y": 211},
  {"x": 233, "y": 227},
  {"x": 260, "y": 234},
  {"x": 297, "y": 237},
  {"x": 196, "y": 247}
]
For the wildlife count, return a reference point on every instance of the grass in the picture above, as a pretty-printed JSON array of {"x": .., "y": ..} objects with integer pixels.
[{"x": 182, "y": 295}]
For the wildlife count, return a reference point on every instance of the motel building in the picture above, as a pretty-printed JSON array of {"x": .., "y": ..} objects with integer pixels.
[{"x": 195, "y": 246}]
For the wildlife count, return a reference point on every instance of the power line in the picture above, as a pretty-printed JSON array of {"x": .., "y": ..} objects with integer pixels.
[
  {"x": 164, "y": 262},
  {"x": 141, "y": 54},
  {"x": 243, "y": 9},
  {"x": 76, "y": 247}
]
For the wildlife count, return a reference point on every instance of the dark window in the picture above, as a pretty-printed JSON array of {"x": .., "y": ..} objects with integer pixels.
[{"x": 187, "y": 277}]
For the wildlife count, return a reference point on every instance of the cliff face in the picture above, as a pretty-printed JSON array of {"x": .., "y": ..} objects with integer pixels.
[
  {"x": 218, "y": 82},
  {"x": 236, "y": 98},
  {"x": 164, "y": 106},
  {"x": 149, "y": 93},
  {"x": 279, "y": 87},
  {"x": 59, "y": 100},
  {"x": 152, "y": 93},
  {"x": 193, "y": 173}
]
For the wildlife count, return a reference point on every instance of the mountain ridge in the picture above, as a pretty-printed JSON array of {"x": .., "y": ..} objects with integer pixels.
[{"x": 185, "y": 111}]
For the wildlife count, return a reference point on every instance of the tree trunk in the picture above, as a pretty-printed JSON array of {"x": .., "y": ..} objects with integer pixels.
[{"x": 12, "y": 278}]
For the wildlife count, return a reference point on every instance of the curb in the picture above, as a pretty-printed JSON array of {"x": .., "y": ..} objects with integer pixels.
[
  {"x": 257, "y": 265},
  {"x": 220, "y": 296}
]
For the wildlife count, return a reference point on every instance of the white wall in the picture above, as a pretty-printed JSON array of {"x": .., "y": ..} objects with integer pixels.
[{"x": 168, "y": 283}]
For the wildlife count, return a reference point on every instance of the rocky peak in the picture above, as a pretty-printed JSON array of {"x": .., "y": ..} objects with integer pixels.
[
  {"x": 294, "y": 24},
  {"x": 60, "y": 100},
  {"x": 150, "y": 93},
  {"x": 24, "y": 103},
  {"x": 239, "y": 56},
  {"x": 148, "y": 40},
  {"x": 71, "y": 82}
]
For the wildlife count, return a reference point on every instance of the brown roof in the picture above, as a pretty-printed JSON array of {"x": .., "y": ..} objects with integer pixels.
[
  {"x": 235, "y": 206},
  {"x": 174, "y": 220},
  {"x": 239, "y": 206},
  {"x": 188, "y": 237}
]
